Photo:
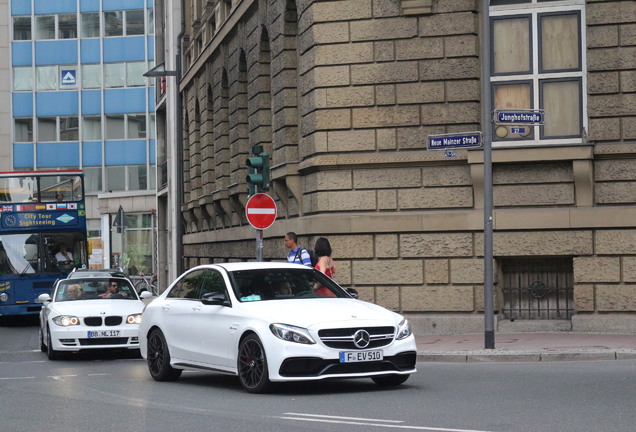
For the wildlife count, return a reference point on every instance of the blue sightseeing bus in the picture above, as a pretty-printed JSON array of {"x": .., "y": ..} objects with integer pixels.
[{"x": 42, "y": 235}]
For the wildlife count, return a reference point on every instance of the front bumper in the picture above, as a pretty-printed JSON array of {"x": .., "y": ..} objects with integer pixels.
[{"x": 77, "y": 339}]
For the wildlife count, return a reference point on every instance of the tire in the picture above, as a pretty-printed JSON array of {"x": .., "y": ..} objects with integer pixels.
[
  {"x": 158, "y": 358},
  {"x": 389, "y": 380},
  {"x": 50, "y": 352},
  {"x": 42, "y": 344},
  {"x": 252, "y": 366}
]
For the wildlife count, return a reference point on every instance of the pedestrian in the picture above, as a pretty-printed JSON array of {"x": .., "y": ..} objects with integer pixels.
[
  {"x": 296, "y": 253},
  {"x": 325, "y": 263}
]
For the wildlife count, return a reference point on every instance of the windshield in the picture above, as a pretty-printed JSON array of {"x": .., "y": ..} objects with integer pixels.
[
  {"x": 41, "y": 253},
  {"x": 277, "y": 284},
  {"x": 94, "y": 289},
  {"x": 41, "y": 188}
]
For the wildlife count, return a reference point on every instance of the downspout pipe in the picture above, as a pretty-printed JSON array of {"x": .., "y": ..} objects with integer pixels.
[{"x": 179, "y": 143}]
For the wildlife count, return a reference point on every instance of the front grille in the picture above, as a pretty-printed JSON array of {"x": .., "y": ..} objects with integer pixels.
[
  {"x": 93, "y": 321},
  {"x": 342, "y": 338},
  {"x": 97, "y": 321},
  {"x": 113, "y": 320},
  {"x": 311, "y": 366},
  {"x": 103, "y": 341}
]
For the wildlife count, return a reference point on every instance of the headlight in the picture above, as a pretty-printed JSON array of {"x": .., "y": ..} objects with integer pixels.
[
  {"x": 291, "y": 333},
  {"x": 133, "y": 319},
  {"x": 4, "y": 297},
  {"x": 65, "y": 320},
  {"x": 404, "y": 330}
]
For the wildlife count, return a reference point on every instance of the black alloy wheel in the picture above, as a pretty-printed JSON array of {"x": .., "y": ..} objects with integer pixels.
[
  {"x": 252, "y": 365},
  {"x": 389, "y": 380},
  {"x": 158, "y": 358}
]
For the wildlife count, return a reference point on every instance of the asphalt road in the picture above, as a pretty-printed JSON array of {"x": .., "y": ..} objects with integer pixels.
[{"x": 114, "y": 392}]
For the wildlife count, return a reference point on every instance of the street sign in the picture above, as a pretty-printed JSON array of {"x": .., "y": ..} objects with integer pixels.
[
  {"x": 454, "y": 141},
  {"x": 518, "y": 117},
  {"x": 261, "y": 211}
]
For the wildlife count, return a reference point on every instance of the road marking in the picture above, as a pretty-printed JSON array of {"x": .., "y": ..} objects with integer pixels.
[
  {"x": 367, "y": 422},
  {"x": 60, "y": 377},
  {"x": 16, "y": 378}
]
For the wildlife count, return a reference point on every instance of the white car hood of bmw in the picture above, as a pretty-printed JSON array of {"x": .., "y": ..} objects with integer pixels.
[
  {"x": 328, "y": 312},
  {"x": 103, "y": 307}
]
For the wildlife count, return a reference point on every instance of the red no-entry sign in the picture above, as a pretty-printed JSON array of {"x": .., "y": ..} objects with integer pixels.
[{"x": 261, "y": 211}]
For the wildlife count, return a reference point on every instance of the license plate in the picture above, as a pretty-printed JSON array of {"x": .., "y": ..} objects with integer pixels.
[
  {"x": 360, "y": 356},
  {"x": 103, "y": 333}
]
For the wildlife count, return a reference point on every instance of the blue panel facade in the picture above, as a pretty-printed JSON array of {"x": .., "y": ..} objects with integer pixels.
[
  {"x": 55, "y": 6},
  {"x": 120, "y": 49},
  {"x": 55, "y": 52},
  {"x": 92, "y": 153},
  {"x": 21, "y": 53},
  {"x": 123, "y": 4},
  {"x": 22, "y": 155},
  {"x": 131, "y": 100},
  {"x": 89, "y": 5},
  {"x": 125, "y": 152},
  {"x": 20, "y": 7},
  {"x": 22, "y": 104},
  {"x": 91, "y": 102},
  {"x": 90, "y": 50},
  {"x": 58, "y": 154},
  {"x": 57, "y": 103}
]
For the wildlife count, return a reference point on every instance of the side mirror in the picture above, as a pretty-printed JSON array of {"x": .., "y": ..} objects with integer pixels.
[
  {"x": 214, "y": 298},
  {"x": 145, "y": 295},
  {"x": 352, "y": 292},
  {"x": 43, "y": 298}
]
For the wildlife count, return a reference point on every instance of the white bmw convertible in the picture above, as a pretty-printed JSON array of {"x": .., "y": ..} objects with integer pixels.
[
  {"x": 272, "y": 322},
  {"x": 90, "y": 313}
]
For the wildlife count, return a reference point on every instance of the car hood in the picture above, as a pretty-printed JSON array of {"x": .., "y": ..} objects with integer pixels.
[
  {"x": 104, "y": 307},
  {"x": 329, "y": 312}
]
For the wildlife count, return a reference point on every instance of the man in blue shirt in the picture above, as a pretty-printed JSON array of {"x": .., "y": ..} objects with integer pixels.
[{"x": 296, "y": 254}]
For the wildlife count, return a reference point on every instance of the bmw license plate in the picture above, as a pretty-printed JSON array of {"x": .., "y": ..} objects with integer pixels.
[
  {"x": 103, "y": 333},
  {"x": 360, "y": 356}
]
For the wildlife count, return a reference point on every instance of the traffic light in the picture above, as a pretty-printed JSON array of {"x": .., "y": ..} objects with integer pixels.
[{"x": 258, "y": 178}]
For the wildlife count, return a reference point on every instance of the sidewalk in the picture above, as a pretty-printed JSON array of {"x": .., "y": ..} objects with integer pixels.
[{"x": 526, "y": 347}]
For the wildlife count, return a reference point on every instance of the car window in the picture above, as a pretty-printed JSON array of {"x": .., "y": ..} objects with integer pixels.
[
  {"x": 187, "y": 287},
  {"x": 213, "y": 282},
  {"x": 94, "y": 289},
  {"x": 281, "y": 284}
]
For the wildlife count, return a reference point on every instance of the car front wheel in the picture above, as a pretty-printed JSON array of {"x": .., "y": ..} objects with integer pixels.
[
  {"x": 159, "y": 358},
  {"x": 252, "y": 365},
  {"x": 50, "y": 352},
  {"x": 389, "y": 380}
]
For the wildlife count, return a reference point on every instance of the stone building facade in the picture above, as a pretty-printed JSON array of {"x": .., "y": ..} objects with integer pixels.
[{"x": 344, "y": 94}]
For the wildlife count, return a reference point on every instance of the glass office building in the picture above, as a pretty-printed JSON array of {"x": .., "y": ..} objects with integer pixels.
[{"x": 79, "y": 100}]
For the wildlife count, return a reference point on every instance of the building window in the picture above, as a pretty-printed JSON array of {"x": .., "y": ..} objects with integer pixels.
[
  {"x": 67, "y": 26},
  {"x": 22, "y": 28},
  {"x": 124, "y": 23},
  {"x": 91, "y": 128},
  {"x": 538, "y": 64},
  {"x": 93, "y": 179},
  {"x": 90, "y": 24},
  {"x": 114, "y": 75},
  {"x": 135, "y": 74},
  {"x": 115, "y": 178},
  {"x": 91, "y": 76},
  {"x": 23, "y": 78},
  {"x": 64, "y": 128},
  {"x": 63, "y": 26},
  {"x": 126, "y": 126},
  {"x": 63, "y": 77},
  {"x": 23, "y": 130}
]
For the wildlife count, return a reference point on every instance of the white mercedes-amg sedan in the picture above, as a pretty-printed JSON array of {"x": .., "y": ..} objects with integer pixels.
[{"x": 272, "y": 322}]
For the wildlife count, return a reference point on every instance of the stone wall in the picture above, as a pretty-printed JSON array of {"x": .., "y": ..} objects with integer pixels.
[{"x": 344, "y": 93}]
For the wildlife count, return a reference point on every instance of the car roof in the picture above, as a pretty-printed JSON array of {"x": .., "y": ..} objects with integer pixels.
[{"x": 253, "y": 265}]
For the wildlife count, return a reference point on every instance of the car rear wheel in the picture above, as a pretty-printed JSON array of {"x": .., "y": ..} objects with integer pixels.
[
  {"x": 159, "y": 358},
  {"x": 252, "y": 365},
  {"x": 50, "y": 352},
  {"x": 389, "y": 380}
]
